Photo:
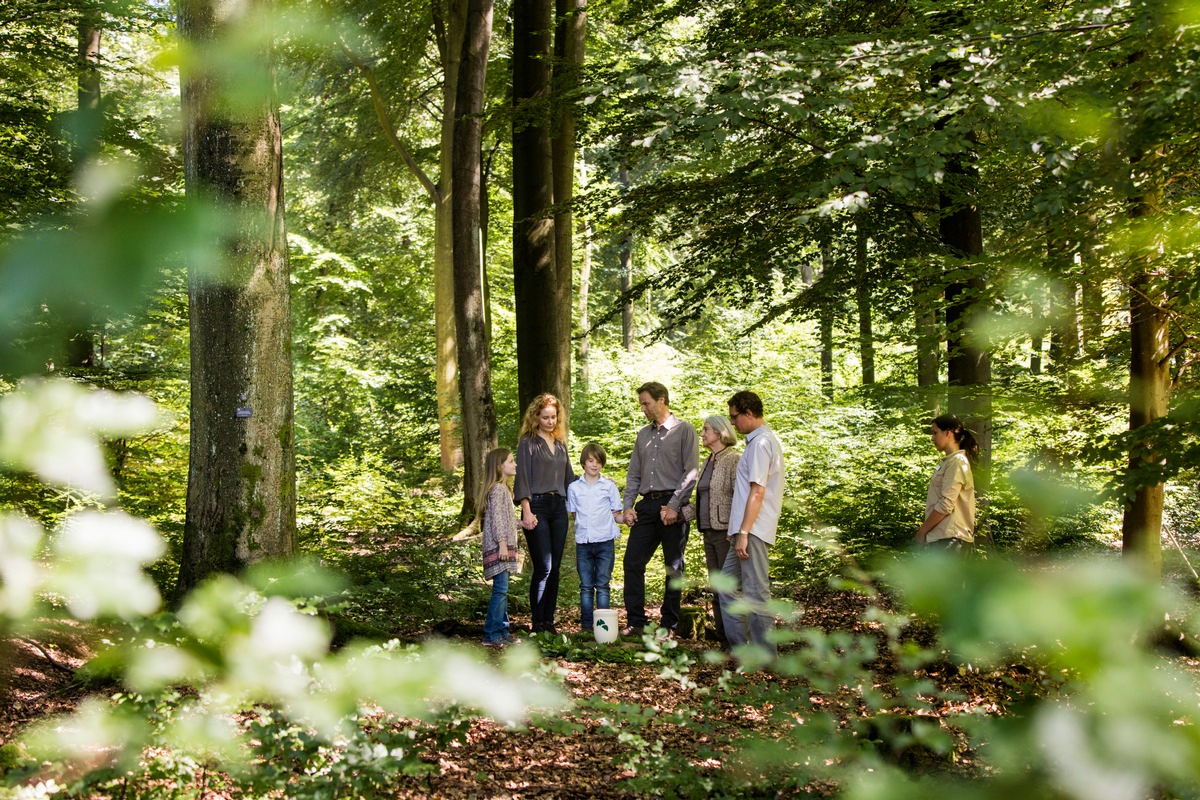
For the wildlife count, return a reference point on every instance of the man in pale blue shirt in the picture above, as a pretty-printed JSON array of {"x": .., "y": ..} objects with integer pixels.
[
  {"x": 753, "y": 520},
  {"x": 595, "y": 504}
]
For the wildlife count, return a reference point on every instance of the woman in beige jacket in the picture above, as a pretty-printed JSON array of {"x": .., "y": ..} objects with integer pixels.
[{"x": 713, "y": 498}]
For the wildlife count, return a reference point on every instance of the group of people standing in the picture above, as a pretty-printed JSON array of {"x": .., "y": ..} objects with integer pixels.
[{"x": 734, "y": 499}]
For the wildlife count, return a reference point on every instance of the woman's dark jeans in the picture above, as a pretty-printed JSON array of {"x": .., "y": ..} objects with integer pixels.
[{"x": 546, "y": 544}]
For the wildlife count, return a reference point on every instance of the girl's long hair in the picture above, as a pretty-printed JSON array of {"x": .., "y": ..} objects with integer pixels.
[
  {"x": 493, "y": 473},
  {"x": 965, "y": 438},
  {"x": 529, "y": 425}
]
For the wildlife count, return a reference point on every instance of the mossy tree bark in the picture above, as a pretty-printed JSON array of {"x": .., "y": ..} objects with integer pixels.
[{"x": 241, "y": 498}]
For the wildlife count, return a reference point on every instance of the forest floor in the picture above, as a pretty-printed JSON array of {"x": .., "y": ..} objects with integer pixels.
[{"x": 682, "y": 738}]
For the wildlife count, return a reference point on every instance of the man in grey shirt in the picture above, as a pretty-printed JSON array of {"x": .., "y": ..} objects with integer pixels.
[{"x": 663, "y": 470}]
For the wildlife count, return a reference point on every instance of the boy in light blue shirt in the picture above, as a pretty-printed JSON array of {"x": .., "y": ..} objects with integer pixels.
[{"x": 595, "y": 504}]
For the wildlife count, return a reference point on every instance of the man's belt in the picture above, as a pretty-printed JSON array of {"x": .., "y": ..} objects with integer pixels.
[{"x": 657, "y": 495}]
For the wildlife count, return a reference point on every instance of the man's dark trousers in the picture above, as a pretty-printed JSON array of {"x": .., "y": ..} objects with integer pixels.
[{"x": 644, "y": 538}]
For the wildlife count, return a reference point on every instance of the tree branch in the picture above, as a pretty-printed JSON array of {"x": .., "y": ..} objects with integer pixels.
[
  {"x": 385, "y": 122},
  {"x": 46, "y": 655}
]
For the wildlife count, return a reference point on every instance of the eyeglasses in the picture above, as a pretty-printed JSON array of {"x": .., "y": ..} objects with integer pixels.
[{"x": 733, "y": 417}]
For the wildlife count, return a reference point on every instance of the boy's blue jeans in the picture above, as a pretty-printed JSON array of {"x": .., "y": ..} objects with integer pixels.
[
  {"x": 495, "y": 626},
  {"x": 595, "y": 563}
]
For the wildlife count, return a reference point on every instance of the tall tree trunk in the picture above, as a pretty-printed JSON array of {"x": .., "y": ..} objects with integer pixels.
[
  {"x": 968, "y": 365},
  {"x": 826, "y": 325},
  {"x": 1149, "y": 377},
  {"x": 81, "y": 345},
  {"x": 866, "y": 336},
  {"x": 625, "y": 256},
  {"x": 1064, "y": 324},
  {"x": 449, "y": 400},
  {"x": 1037, "y": 342},
  {"x": 87, "y": 63},
  {"x": 543, "y": 347},
  {"x": 1061, "y": 297},
  {"x": 569, "y": 39},
  {"x": 1091, "y": 321},
  {"x": 926, "y": 335},
  {"x": 479, "y": 421},
  {"x": 960, "y": 227},
  {"x": 241, "y": 497},
  {"x": 1091, "y": 300},
  {"x": 585, "y": 281}
]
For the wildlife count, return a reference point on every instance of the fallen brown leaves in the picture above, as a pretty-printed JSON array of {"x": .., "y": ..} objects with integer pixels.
[
  {"x": 37, "y": 675},
  {"x": 588, "y": 753}
]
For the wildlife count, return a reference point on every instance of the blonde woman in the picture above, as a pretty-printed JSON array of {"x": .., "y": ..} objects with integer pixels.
[
  {"x": 714, "y": 497},
  {"x": 543, "y": 473}
]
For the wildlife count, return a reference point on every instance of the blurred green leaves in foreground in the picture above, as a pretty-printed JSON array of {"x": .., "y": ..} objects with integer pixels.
[
  {"x": 103, "y": 262},
  {"x": 1114, "y": 717},
  {"x": 234, "y": 645}
]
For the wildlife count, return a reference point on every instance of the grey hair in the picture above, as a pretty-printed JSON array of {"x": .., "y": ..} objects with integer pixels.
[{"x": 723, "y": 428}]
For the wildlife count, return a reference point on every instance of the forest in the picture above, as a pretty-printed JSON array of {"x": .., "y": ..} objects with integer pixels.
[{"x": 277, "y": 275}]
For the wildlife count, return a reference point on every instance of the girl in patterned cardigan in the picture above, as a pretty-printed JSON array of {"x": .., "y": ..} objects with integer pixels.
[{"x": 499, "y": 525}]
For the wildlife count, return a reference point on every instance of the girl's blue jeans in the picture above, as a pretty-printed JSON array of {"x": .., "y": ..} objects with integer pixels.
[{"x": 495, "y": 626}]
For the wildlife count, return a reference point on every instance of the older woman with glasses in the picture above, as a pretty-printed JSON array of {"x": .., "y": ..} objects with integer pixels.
[{"x": 714, "y": 496}]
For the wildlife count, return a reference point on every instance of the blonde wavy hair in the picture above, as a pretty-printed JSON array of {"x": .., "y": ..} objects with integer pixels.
[{"x": 529, "y": 426}]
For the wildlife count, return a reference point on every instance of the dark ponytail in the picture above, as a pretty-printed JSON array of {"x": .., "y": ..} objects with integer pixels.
[{"x": 965, "y": 438}]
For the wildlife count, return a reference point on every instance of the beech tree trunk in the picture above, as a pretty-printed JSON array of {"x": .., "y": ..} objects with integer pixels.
[
  {"x": 1092, "y": 318},
  {"x": 1091, "y": 303},
  {"x": 241, "y": 497},
  {"x": 475, "y": 376},
  {"x": 585, "y": 283},
  {"x": 825, "y": 323},
  {"x": 543, "y": 346},
  {"x": 449, "y": 401},
  {"x": 569, "y": 39},
  {"x": 1149, "y": 379},
  {"x": 960, "y": 227},
  {"x": 81, "y": 344},
  {"x": 625, "y": 257},
  {"x": 968, "y": 365},
  {"x": 1064, "y": 324},
  {"x": 929, "y": 357},
  {"x": 1062, "y": 297},
  {"x": 866, "y": 336},
  {"x": 87, "y": 64},
  {"x": 1037, "y": 342}
]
